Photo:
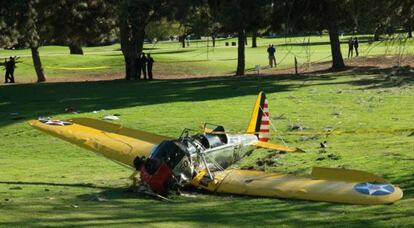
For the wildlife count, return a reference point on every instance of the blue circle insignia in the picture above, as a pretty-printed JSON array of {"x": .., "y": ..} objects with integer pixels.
[{"x": 374, "y": 189}]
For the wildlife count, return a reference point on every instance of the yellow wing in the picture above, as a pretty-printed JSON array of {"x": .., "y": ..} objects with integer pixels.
[
  {"x": 113, "y": 141},
  {"x": 276, "y": 147},
  {"x": 332, "y": 187}
]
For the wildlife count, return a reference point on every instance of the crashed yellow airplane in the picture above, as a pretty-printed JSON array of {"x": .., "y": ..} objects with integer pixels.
[{"x": 202, "y": 160}]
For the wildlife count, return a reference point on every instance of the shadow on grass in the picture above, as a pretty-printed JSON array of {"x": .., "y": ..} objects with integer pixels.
[
  {"x": 119, "y": 207},
  {"x": 368, "y": 77},
  {"x": 50, "y": 184},
  {"x": 33, "y": 100},
  {"x": 385, "y": 78}
]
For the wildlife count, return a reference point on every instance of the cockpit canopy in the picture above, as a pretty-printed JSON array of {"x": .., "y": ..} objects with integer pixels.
[{"x": 170, "y": 152}]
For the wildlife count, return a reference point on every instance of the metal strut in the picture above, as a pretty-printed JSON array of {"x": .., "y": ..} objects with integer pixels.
[{"x": 203, "y": 158}]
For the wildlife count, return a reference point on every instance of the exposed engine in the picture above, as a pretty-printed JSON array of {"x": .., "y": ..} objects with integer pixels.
[{"x": 174, "y": 163}]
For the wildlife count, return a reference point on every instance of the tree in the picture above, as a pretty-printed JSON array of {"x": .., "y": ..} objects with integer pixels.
[
  {"x": 372, "y": 16},
  {"x": 33, "y": 37},
  {"x": 71, "y": 23},
  {"x": 20, "y": 20},
  {"x": 238, "y": 16},
  {"x": 328, "y": 14},
  {"x": 162, "y": 29},
  {"x": 78, "y": 22},
  {"x": 330, "y": 7},
  {"x": 133, "y": 18},
  {"x": 200, "y": 21},
  {"x": 9, "y": 31},
  {"x": 405, "y": 12}
]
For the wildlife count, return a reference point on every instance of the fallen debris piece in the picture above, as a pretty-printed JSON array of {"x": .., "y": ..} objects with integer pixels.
[
  {"x": 98, "y": 198},
  {"x": 337, "y": 114},
  {"x": 334, "y": 157},
  {"x": 322, "y": 151},
  {"x": 296, "y": 127},
  {"x": 311, "y": 137},
  {"x": 110, "y": 117},
  {"x": 320, "y": 158}
]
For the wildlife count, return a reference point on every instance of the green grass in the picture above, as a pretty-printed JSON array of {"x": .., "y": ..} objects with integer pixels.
[
  {"x": 196, "y": 59},
  {"x": 47, "y": 182}
]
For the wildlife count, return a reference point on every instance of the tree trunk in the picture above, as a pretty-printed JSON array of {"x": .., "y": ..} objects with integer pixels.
[
  {"x": 37, "y": 64},
  {"x": 254, "y": 39},
  {"x": 376, "y": 34},
  {"x": 337, "y": 60},
  {"x": 240, "y": 53},
  {"x": 75, "y": 49},
  {"x": 213, "y": 39},
  {"x": 245, "y": 38},
  {"x": 409, "y": 31},
  {"x": 132, "y": 33},
  {"x": 128, "y": 47},
  {"x": 183, "y": 41}
]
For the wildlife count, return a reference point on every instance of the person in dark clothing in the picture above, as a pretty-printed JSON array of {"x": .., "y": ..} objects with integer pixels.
[
  {"x": 10, "y": 65},
  {"x": 138, "y": 76},
  {"x": 356, "y": 46},
  {"x": 150, "y": 62},
  {"x": 350, "y": 47},
  {"x": 144, "y": 61},
  {"x": 272, "y": 59}
]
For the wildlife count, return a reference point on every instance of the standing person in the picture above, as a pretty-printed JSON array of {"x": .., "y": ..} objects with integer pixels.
[
  {"x": 150, "y": 61},
  {"x": 10, "y": 66},
  {"x": 356, "y": 46},
  {"x": 188, "y": 40},
  {"x": 268, "y": 53},
  {"x": 138, "y": 67},
  {"x": 272, "y": 59},
  {"x": 144, "y": 65},
  {"x": 350, "y": 47}
]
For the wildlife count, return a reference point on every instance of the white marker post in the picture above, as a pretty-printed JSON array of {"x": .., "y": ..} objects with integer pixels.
[{"x": 257, "y": 68}]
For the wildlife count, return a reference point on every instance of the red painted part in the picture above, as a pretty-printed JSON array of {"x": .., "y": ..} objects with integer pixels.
[
  {"x": 159, "y": 180},
  {"x": 264, "y": 124}
]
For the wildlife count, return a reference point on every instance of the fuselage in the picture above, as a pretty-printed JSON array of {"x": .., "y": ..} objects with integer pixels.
[
  {"x": 176, "y": 162},
  {"x": 223, "y": 155}
]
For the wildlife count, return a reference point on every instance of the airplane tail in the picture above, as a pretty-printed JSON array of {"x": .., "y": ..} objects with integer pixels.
[{"x": 259, "y": 122}]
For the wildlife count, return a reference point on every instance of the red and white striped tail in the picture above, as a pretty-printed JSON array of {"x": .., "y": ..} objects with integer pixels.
[{"x": 264, "y": 132}]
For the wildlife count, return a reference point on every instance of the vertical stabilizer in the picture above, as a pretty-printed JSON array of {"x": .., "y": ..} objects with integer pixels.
[{"x": 259, "y": 122}]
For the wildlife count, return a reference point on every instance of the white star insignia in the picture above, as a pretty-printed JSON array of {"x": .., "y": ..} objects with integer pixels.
[{"x": 373, "y": 188}]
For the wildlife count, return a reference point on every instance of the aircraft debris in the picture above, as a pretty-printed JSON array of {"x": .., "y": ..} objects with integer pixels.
[{"x": 110, "y": 117}]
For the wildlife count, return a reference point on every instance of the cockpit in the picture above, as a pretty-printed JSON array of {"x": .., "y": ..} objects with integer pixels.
[{"x": 172, "y": 161}]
